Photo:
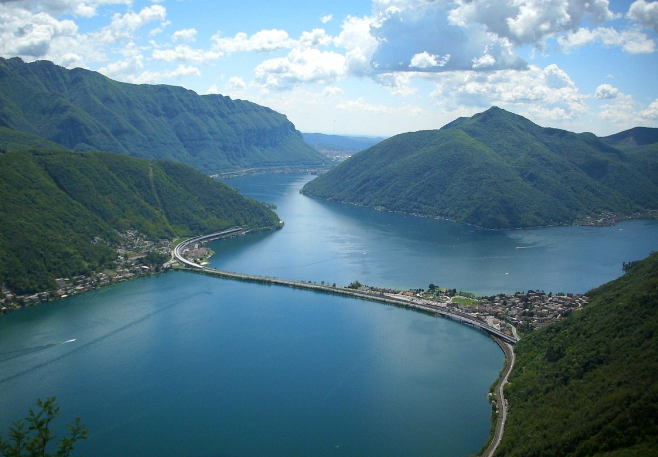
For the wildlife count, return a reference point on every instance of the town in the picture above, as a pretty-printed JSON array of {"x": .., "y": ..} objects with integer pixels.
[
  {"x": 509, "y": 313},
  {"x": 136, "y": 256}
]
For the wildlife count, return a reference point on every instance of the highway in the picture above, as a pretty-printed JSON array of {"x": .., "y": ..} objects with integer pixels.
[{"x": 409, "y": 302}]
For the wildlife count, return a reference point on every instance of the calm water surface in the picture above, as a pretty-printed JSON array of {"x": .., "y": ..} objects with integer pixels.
[
  {"x": 334, "y": 242},
  {"x": 187, "y": 365}
]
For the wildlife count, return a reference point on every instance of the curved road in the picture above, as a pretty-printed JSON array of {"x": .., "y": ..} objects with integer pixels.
[
  {"x": 422, "y": 305},
  {"x": 500, "y": 399},
  {"x": 504, "y": 341}
]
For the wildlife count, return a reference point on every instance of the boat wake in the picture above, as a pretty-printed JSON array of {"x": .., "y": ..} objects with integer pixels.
[{"x": 5, "y": 356}]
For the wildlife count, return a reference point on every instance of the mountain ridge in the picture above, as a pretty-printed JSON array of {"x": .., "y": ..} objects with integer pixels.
[
  {"x": 83, "y": 110},
  {"x": 61, "y": 211},
  {"x": 496, "y": 170},
  {"x": 586, "y": 386}
]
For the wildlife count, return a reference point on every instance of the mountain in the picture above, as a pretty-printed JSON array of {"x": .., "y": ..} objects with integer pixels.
[
  {"x": 339, "y": 142},
  {"x": 60, "y": 212},
  {"x": 641, "y": 146},
  {"x": 11, "y": 139},
  {"x": 86, "y": 111},
  {"x": 338, "y": 147},
  {"x": 588, "y": 385},
  {"x": 495, "y": 170},
  {"x": 638, "y": 136}
]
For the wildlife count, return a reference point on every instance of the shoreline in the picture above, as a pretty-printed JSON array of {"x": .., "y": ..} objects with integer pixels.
[
  {"x": 607, "y": 219},
  {"x": 504, "y": 342}
]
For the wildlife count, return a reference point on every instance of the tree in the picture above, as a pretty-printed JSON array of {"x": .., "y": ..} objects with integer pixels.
[
  {"x": 432, "y": 287},
  {"x": 355, "y": 285},
  {"x": 34, "y": 441}
]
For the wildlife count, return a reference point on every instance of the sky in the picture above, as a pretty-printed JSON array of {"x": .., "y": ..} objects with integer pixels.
[{"x": 367, "y": 67}]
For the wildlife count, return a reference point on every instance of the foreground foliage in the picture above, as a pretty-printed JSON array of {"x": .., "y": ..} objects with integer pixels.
[
  {"x": 35, "y": 440},
  {"x": 60, "y": 211},
  {"x": 588, "y": 386},
  {"x": 495, "y": 170}
]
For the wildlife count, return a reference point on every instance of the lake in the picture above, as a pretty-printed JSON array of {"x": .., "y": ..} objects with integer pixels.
[
  {"x": 188, "y": 365},
  {"x": 335, "y": 242}
]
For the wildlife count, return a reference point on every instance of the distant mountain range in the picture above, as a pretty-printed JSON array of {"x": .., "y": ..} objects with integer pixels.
[
  {"x": 498, "y": 170},
  {"x": 85, "y": 111},
  {"x": 340, "y": 142},
  {"x": 587, "y": 386},
  {"x": 61, "y": 211}
]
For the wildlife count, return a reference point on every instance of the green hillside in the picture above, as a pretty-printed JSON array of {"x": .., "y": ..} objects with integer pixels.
[
  {"x": 638, "y": 136},
  {"x": 60, "y": 211},
  {"x": 588, "y": 386},
  {"x": 640, "y": 145},
  {"x": 86, "y": 111},
  {"x": 12, "y": 140},
  {"x": 496, "y": 170}
]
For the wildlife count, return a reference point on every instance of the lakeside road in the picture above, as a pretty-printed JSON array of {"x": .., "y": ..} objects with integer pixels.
[
  {"x": 421, "y": 305},
  {"x": 500, "y": 399},
  {"x": 504, "y": 341}
]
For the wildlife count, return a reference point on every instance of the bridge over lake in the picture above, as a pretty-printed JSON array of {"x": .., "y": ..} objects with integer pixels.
[{"x": 409, "y": 302}]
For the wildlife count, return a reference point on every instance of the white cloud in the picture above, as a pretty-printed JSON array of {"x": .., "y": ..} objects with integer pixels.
[
  {"x": 651, "y": 112},
  {"x": 624, "y": 112},
  {"x": 160, "y": 29},
  {"x": 397, "y": 83},
  {"x": 631, "y": 41},
  {"x": 360, "y": 105},
  {"x": 188, "y": 35},
  {"x": 408, "y": 36},
  {"x": 486, "y": 61},
  {"x": 263, "y": 41},
  {"x": 212, "y": 90},
  {"x": 426, "y": 60},
  {"x": 122, "y": 27},
  {"x": 549, "y": 92},
  {"x": 646, "y": 13},
  {"x": 25, "y": 34},
  {"x": 605, "y": 91},
  {"x": 123, "y": 68},
  {"x": 556, "y": 78},
  {"x": 184, "y": 53},
  {"x": 314, "y": 38},
  {"x": 332, "y": 91},
  {"x": 153, "y": 77},
  {"x": 529, "y": 21},
  {"x": 359, "y": 43},
  {"x": 235, "y": 84},
  {"x": 326, "y": 18},
  {"x": 300, "y": 66},
  {"x": 77, "y": 8}
]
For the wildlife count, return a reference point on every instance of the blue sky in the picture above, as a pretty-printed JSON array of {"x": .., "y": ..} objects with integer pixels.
[{"x": 377, "y": 67}]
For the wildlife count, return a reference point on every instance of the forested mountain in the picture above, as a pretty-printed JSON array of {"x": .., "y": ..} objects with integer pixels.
[
  {"x": 60, "y": 211},
  {"x": 495, "y": 170},
  {"x": 638, "y": 136},
  {"x": 85, "y": 111},
  {"x": 588, "y": 385},
  {"x": 640, "y": 144}
]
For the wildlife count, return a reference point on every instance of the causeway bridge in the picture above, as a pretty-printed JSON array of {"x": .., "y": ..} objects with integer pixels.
[{"x": 408, "y": 302}]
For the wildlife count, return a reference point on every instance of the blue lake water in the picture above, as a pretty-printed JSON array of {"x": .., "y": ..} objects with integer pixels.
[
  {"x": 335, "y": 242},
  {"x": 188, "y": 365}
]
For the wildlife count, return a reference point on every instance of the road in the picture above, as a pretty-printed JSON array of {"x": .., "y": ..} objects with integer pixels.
[
  {"x": 410, "y": 302},
  {"x": 503, "y": 340},
  {"x": 500, "y": 399}
]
